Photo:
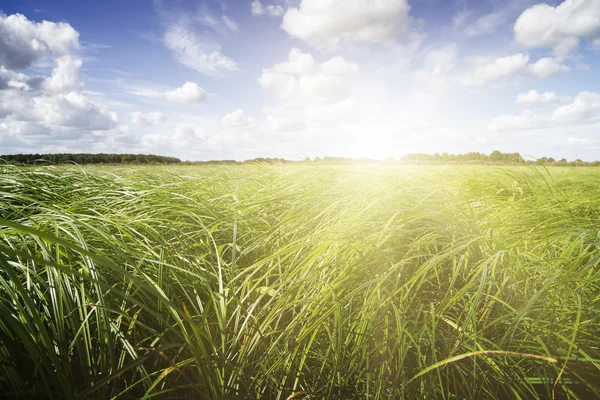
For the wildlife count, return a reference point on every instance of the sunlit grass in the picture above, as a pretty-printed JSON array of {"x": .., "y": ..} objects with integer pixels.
[{"x": 267, "y": 281}]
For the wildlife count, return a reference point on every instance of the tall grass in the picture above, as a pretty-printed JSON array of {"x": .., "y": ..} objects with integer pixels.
[{"x": 299, "y": 282}]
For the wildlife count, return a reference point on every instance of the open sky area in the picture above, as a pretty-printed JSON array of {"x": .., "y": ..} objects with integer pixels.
[{"x": 239, "y": 79}]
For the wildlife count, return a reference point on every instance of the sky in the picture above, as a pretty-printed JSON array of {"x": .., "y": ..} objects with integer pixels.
[{"x": 239, "y": 79}]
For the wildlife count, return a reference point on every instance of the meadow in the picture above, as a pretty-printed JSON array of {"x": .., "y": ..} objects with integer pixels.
[{"x": 299, "y": 281}]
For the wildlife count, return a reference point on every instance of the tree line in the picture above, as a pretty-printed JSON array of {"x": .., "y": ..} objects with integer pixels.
[
  {"x": 495, "y": 158},
  {"x": 87, "y": 158}
]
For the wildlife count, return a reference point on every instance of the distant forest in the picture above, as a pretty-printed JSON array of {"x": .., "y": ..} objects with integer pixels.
[
  {"x": 494, "y": 158},
  {"x": 84, "y": 158}
]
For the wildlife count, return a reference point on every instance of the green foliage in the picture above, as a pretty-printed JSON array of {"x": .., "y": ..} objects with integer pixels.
[
  {"x": 260, "y": 281},
  {"x": 495, "y": 157}
]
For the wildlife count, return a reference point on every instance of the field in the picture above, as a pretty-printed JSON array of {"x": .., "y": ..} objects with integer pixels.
[{"x": 300, "y": 281}]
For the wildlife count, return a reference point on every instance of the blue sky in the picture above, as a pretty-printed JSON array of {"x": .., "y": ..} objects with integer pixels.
[{"x": 225, "y": 79}]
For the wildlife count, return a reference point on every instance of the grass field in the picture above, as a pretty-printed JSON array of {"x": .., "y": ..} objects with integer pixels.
[{"x": 300, "y": 281}]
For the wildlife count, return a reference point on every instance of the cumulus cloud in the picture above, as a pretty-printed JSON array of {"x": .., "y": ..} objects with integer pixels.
[
  {"x": 329, "y": 22},
  {"x": 533, "y": 98},
  {"x": 237, "y": 119},
  {"x": 189, "y": 93},
  {"x": 186, "y": 133},
  {"x": 499, "y": 68},
  {"x": 73, "y": 110},
  {"x": 545, "y": 67},
  {"x": 197, "y": 53},
  {"x": 302, "y": 80},
  {"x": 273, "y": 10},
  {"x": 310, "y": 94},
  {"x": 48, "y": 106},
  {"x": 524, "y": 121},
  {"x": 256, "y": 8},
  {"x": 584, "y": 109},
  {"x": 17, "y": 80},
  {"x": 23, "y": 42},
  {"x": 22, "y": 129},
  {"x": 151, "y": 118},
  {"x": 183, "y": 138},
  {"x": 516, "y": 65},
  {"x": 66, "y": 76},
  {"x": 560, "y": 28}
]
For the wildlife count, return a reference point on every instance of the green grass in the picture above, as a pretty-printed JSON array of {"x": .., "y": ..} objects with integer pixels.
[{"x": 299, "y": 281}]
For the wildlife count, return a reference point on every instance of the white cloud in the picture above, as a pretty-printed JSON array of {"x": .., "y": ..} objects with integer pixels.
[
  {"x": 23, "y": 42},
  {"x": 310, "y": 94},
  {"x": 524, "y": 121},
  {"x": 54, "y": 111},
  {"x": 183, "y": 139},
  {"x": 584, "y": 109},
  {"x": 196, "y": 53},
  {"x": 298, "y": 63},
  {"x": 516, "y": 65},
  {"x": 273, "y": 10},
  {"x": 66, "y": 76},
  {"x": 72, "y": 110},
  {"x": 545, "y": 67},
  {"x": 189, "y": 93},
  {"x": 256, "y": 8},
  {"x": 560, "y": 27},
  {"x": 186, "y": 133},
  {"x": 237, "y": 119},
  {"x": 486, "y": 24},
  {"x": 499, "y": 68},
  {"x": 23, "y": 129},
  {"x": 229, "y": 23},
  {"x": 16, "y": 80},
  {"x": 324, "y": 23},
  {"x": 49, "y": 106},
  {"x": 302, "y": 80},
  {"x": 60, "y": 37},
  {"x": 151, "y": 118},
  {"x": 141, "y": 88},
  {"x": 208, "y": 20},
  {"x": 437, "y": 64},
  {"x": 533, "y": 98}
]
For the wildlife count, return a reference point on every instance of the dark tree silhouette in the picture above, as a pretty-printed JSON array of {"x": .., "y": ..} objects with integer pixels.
[{"x": 85, "y": 158}]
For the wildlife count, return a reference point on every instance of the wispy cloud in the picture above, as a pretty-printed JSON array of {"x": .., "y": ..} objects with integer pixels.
[
  {"x": 194, "y": 38},
  {"x": 197, "y": 53}
]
